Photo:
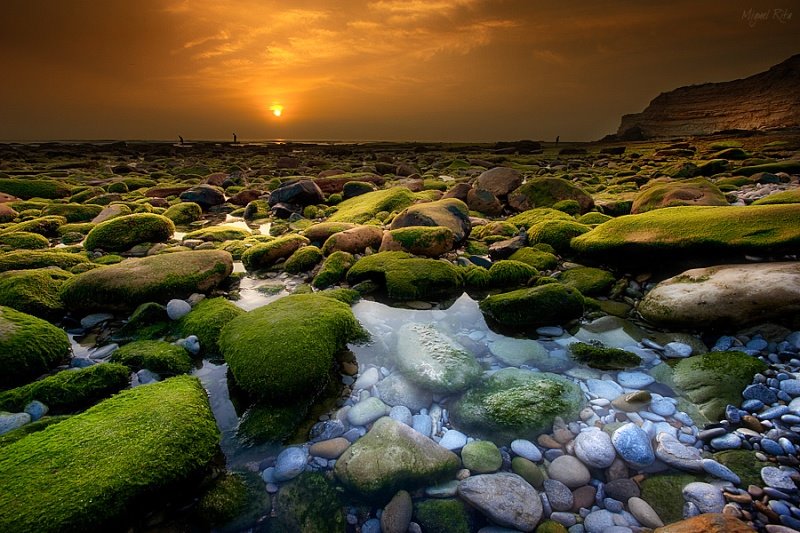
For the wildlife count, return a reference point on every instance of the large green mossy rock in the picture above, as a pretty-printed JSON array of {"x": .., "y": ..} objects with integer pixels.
[
  {"x": 657, "y": 195},
  {"x": 362, "y": 209},
  {"x": 391, "y": 457},
  {"x": 556, "y": 233},
  {"x": 206, "y": 320},
  {"x": 284, "y": 350},
  {"x": 35, "y": 291},
  {"x": 69, "y": 390},
  {"x": 184, "y": 213},
  {"x": 449, "y": 213},
  {"x": 24, "y": 240},
  {"x": 588, "y": 280},
  {"x": 218, "y": 233},
  {"x": 29, "y": 347},
  {"x": 47, "y": 226},
  {"x": 26, "y": 188},
  {"x": 123, "y": 233},
  {"x": 528, "y": 218},
  {"x": 73, "y": 212},
  {"x": 157, "y": 278},
  {"x": 695, "y": 232},
  {"x": 547, "y": 192},
  {"x": 516, "y": 403},
  {"x": 308, "y": 504},
  {"x": 28, "y": 259},
  {"x": 444, "y": 516},
  {"x": 664, "y": 494},
  {"x": 333, "y": 270},
  {"x": 792, "y": 196},
  {"x": 715, "y": 379},
  {"x": 91, "y": 471},
  {"x": 266, "y": 254},
  {"x": 235, "y": 502},
  {"x": 157, "y": 356},
  {"x": 544, "y": 305},
  {"x": 407, "y": 277}
]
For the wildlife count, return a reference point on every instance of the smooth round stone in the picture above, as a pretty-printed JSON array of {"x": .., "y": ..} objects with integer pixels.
[
  {"x": 584, "y": 497},
  {"x": 565, "y": 519},
  {"x": 570, "y": 471},
  {"x": 752, "y": 405},
  {"x": 634, "y": 380},
  {"x": 453, "y": 440},
  {"x": 728, "y": 441},
  {"x": 401, "y": 413},
  {"x": 760, "y": 392},
  {"x": 550, "y": 331},
  {"x": 367, "y": 411},
  {"x": 36, "y": 409},
  {"x": 329, "y": 449},
  {"x": 787, "y": 446},
  {"x": 599, "y": 521},
  {"x": 104, "y": 351},
  {"x": 191, "y": 344},
  {"x": 145, "y": 377},
  {"x": 506, "y": 499},
  {"x": 662, "y": 407},
  {"x": 622, "y": 489},
  {"x": 373, "y": 525},
  {"x": 290, "y": 463},
  {"x": 396, "y": 516},
  {"x": 423, "y": 424},
  {"x": 594, "y": 448},
  {"x": 674, "y": 453},
  {"x": 177, "y": 309},
  {"x": 366, "y": 380},
  {"x": 268, "y": 475},
  {"x": 90, "y": 321},
  {"x": 757, "y": 344},
  {"x": 777, "y": 478},
  {"x": 706, "y": 497},
  {"x": 481, "y": 457},
  {"x": 633, "y": 445},
  {"x": 12, "y": 421},
  {"x": 527, "y": 449},
  {"x": 720, "y": 471},
  {"x": 602, "y": 388},
  {"x": 773, "y": 412},
  {"x": 558, "y": 494},
  {"x": 675, "y": 350},
  {"x": 771, "y": 447},
  {"x": 397, "y": 390},
  {"x": 632, "y": 402}
]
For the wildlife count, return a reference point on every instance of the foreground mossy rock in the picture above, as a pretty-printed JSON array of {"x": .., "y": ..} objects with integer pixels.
[
  {"x": 588, "y": 280},
  {"x": 431, "y": 241},
  {"x": 144, "y": 442},
  {"x": 206, "y": 320},
  {"x": 538, "y": 259},
  {"x": 434, "y": 361},
  {"x": 528, "y": 218},
  {"x": 546, "y": 192},
  {"x": 333, "y": 269},
  {"x": 664, "y": 494},
  {"x": 308, "y": 504},
  {"x": 319, "y": 233},
  {"x": 725, "y": 296},
  {"x": 391, "y": 457},
  {"x": 125, "y": 232},
  {"x": 266, "y": 254},
  {"x": 544, "y": 305},
  {"x": 657, "y": 195},
  {"x": 303, "y": 260},
  {"x": 73, "y": 212},
  {"x": 218, "y": 234},
  {"x": 363, "y": 208},
  {"x": 792, "y": 196},
  {"x": 157, "y": 356},
  {"x": 26, "y": 188},
  {"x": 407, "y": 277},
  {"x": 271, "y": 423},
  {"x": 157, "y": 278},
  {"x": 450, "y": 213},
  {"x": 34, "y": 291},
  {"x": 516, "y": 403},
  {"x": 595, "y": 355},
  {"x": 284, "y": 350},
  {"x": 69, "y": 390},
  {"x": 184, "y": 213},
  {"x": 235, "y": 502},
  {"x": 24, "y": 240},
  {"x": 443, "y": 516},
  {"x": 695, "y": 232},
  {"x": 28, "y": 259},
  {"x": 29, "y": 347},
  {"x": 713, "y": 380},
  {"x": 510, "y": 273},
  {"x": 354, "y": 240},
  {"x": 556, "y": 233},
  {"x": 47, "y": 226}
]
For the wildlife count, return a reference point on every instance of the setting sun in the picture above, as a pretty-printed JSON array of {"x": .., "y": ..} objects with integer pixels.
[{"x": 277, "y": 110}]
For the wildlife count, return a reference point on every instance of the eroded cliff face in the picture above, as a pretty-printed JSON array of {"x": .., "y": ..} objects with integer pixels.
[{"x": 766, "y": 100}]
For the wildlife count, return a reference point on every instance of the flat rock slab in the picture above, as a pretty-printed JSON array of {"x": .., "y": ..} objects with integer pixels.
[{"x": 506, "y": 499}]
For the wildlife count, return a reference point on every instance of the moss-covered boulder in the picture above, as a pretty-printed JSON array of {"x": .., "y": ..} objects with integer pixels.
[
  {"x": 538, "y": 259},
  {"x": 548, "y": 304},
  {"x": 696, "y": 232},
  {"x": 515, "y": 403},
  {"x": 184, "y": 213},
  {"x": 481, "y": 457},
  {"x": 309, "y": 504},
  {"x": 284, "y": 350},
  {"x": 266, "y": 254},
  {"x": 510, "y": 273},
  {"x": 218, "y": 234},
  {"x": 664, "y": 493},
  {"x": 546, "y": 192},
  {"x": 73, "y": 212},
  {"x": 303, "y": 260},
  {"x": 354, "y": 240},
  {"x": 443, "y": 516},
  {"x": 596, "y": 355},
  {"x": 333, "y": 270},
  {"x": 30, "y": 259},
  {"x": 407, "y": 277},
  {"x": 319, "y": 233},
  {"x": 392, "y": 457},
  {"x": 24, "y": 240},
  {"x": 34, "y": 291},
  {"x": 26, "y": 188},
  {"x": 588, "y": 280},
  {"x": 47, "y": 226},
  {"x": 157, "y": 278},
  {"x": 450, "y": 213},
  {"x": 157, "y": 356},
  {"x": 432, "y": 241},
  {"x": 266, "y": 422},
  {"x": 660, "y": 194},
  {"x": 206, "y": 320},
  {"x": 162, "y": 435},
  {"x": 236, "y": 501},
  {"x": 792, "y": 196},
  {"x": 123, "y": 233},
  {"x": 528, "y": 218},
  {"x": 362, "y": 209},
  {"x": 556, "y": 233},
  {"x": 69, "y": 390},
  {"x": 29, "y": 347},
  {"x": 713, "y": 380}
]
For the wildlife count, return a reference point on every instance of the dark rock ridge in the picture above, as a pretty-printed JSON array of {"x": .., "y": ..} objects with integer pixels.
[{"x": 765, "y": 100}]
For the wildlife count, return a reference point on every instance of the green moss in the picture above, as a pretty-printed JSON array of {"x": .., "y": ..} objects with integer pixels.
[
  {"x": 550, "y": 526},
  {"x": 184, "y": 213},
  {"x": 543, "y": 305},
  {"x": 236, "y": 500},
  {"x": 501, "y": 227},
  {"x": 407, "y": 277},
  {"x": 474, "y": 247},
  {"x": 443, "y": 516},
  {"x": 73, "y": 212},
  {"x": 47, "y": 226},
  {"x": 69, "y": 390},
  {"x": 363, "y": 208},
  {"x": 351, "y": 189},
  {"x": 556, "y": 233},
  {"x": 790, "y": 167},
  {"x": 27, "y": 259},
  {"x": 693, "y": 232},
  {"x": 159, "y": 435},
  {"x": 268, "y": 423},
  {"x": 310, "y": 212},
  {"x": 791, "y": 196},
  {"x": 84, "y": 194},
  {"x": 149, "y": 321},
  {"x": 24, "y": 240},
  {"x": 157, "y": 356},
  {"x": 266, "y": 254},
  {"x": 664, "y": 494},
  {"x": 744, "y": 464},
  {"x": 117, "y": 186},
  {"x": 81, "y": 227},
  {"x": 510, "y": 273},
  {"x": 303, "y": 260},
  {"x": 156, "y": 278},
  {"x": 590, "y": 281},
  {"x": 538, "y": 259},
  {"x": 421, "y": 239},
  {"x": 476, "y": 277},
  {"x": 33, "y": 188},
  {"x": 657, "y": 195},
  {"x": 595, "y": 355},
  {"x": 206, "y": 320},
  {"x": 35, "y": 291},
  {"x": 29, "y": 347},
  {"x": 593, "y": 218},
  {"x": 333, "y": 270},
  {"x": 134, "y": 183},
  {"x": 348, "y": 296},
  {"x": 109, "y": 259},
  {"x": 570, "y": 207},
  {"x": 481, "y": 457},
  {"x": 122, "y": 233},
  {"x": 547, "y": 192},
  {"x": 285, "y": 349},
  {"x": 257, "y": 209},
  {"x": 219, "y": 234},
  {"x": 308, "y": 504}
]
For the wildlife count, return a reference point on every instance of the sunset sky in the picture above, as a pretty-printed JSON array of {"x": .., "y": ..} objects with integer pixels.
[{"x": 460, "y": 70}]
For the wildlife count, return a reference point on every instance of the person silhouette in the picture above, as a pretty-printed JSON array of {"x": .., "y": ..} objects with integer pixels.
[
  {"x": 181, "y": 138},
  {"x": 557, "y": 138},
  {"x": 234, "y": 138}
]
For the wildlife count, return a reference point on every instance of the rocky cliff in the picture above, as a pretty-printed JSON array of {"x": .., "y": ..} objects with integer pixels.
[{"x": 766, "y": 100}]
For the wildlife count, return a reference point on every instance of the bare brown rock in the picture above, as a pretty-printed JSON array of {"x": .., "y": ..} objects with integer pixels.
[
  {"x": 354, "y": 240},
  {"x": 707, "y": 523}
]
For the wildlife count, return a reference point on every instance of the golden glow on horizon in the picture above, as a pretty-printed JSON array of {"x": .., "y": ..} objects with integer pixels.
[{"x": 276, "y": 109}]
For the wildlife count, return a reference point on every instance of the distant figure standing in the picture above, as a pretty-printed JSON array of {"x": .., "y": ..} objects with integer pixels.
[
  {"x": 181, "y": 138},
  {"x": 557, "y": 138},
  {"x": 234, "y": 138}
]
